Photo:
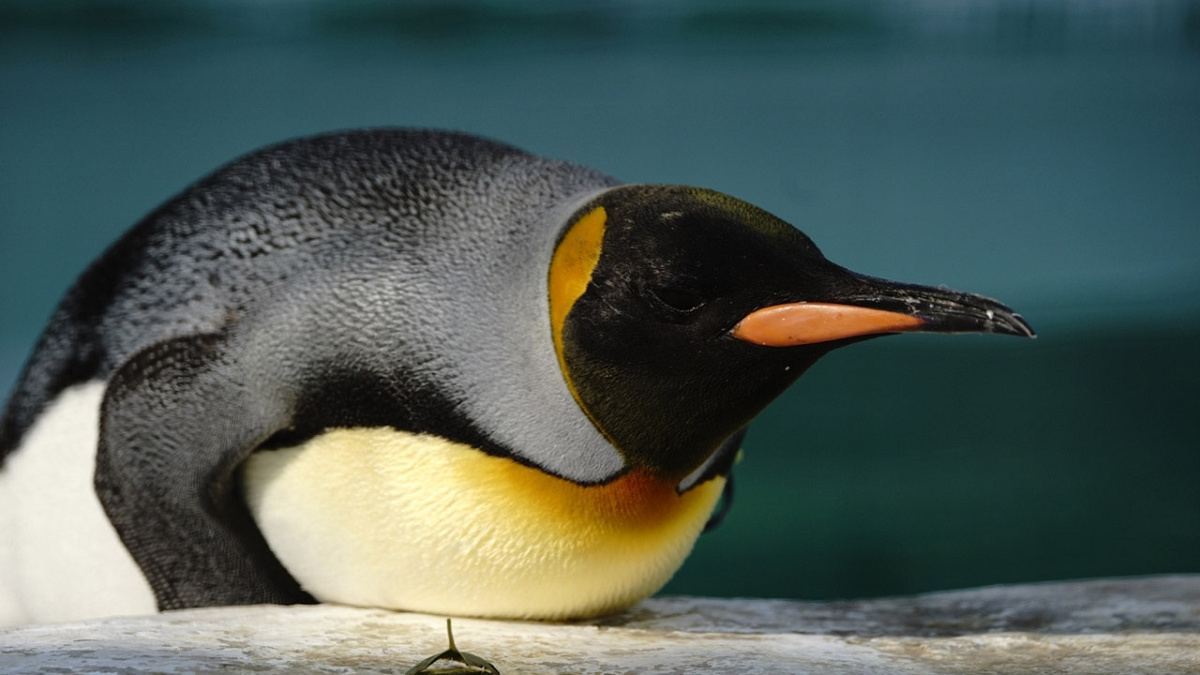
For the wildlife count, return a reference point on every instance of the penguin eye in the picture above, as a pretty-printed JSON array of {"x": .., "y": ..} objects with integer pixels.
[{"x": 676, "y": 300}]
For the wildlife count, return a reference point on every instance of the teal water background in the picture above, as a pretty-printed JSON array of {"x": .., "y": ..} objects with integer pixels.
[{"x": 1045, "y": 153}]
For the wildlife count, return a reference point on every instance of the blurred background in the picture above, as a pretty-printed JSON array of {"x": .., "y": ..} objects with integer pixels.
[{"x": 1045, "y": 152}]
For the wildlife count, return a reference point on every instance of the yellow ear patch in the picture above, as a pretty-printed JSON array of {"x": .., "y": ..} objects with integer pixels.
[{"x": 571, "y": 268}]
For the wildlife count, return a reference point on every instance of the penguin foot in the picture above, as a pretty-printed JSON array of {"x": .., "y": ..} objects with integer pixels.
[{"x": 462, "y": 662}]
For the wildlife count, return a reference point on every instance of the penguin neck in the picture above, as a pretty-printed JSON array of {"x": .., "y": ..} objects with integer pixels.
[{"x": 488, "y": 349}]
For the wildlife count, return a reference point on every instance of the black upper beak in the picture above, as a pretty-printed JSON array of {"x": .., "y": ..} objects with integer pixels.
[{"x": 869, "y": 306}]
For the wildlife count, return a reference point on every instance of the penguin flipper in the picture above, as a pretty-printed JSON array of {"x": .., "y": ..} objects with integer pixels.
[
  {"x": 176, "y": 422},
  {"x": 721, "y": 464},
  {"x": 718, "y": 516}
]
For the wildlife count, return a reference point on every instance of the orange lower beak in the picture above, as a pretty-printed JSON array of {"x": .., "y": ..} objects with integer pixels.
[
  {"x": 908, "y": 309},
  {"x": 802, "y": 323}
]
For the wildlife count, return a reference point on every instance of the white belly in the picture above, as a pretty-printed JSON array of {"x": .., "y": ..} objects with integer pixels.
[
  {"x": 60, "y": 558},
  {"x": 382, "y": 518}
]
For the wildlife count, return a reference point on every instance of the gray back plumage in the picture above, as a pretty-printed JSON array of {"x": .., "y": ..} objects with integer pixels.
[{"x": 414, "y": 255}]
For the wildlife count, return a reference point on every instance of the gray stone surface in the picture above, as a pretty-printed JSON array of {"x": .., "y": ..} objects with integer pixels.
[{"x": 1147, "y": 625}]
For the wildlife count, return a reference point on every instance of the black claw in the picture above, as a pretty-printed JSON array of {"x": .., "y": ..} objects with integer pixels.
[{"x": 469, "y": 662}]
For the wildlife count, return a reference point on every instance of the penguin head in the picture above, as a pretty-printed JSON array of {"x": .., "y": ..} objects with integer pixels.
[{"x": 679, "y": 313}]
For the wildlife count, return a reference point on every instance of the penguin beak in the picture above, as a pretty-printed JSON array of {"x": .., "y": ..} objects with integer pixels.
[{"x": 878, "y": 307}]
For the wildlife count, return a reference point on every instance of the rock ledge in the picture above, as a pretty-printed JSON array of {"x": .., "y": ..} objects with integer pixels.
[{"x": 1097, "y": 627}]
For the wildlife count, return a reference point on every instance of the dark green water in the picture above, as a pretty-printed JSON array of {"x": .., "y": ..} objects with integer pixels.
[
  {"x": 919, "y": 463},
  {"x": 1046, "y": 153}
]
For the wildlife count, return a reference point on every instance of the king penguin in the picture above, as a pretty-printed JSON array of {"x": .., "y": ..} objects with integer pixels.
[{"x": 414, "y": 370}]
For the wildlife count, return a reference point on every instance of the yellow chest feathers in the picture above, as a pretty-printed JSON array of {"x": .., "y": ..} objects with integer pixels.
[{"x": 382, "y": 518}]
